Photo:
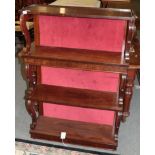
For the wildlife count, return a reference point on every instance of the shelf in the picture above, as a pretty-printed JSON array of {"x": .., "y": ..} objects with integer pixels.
[
  {"x": 76, "y": 132},
  {"x": 75, "y": 58},
  {"x": 88, "y": 12},
  {"x": 75, "y": 97}
]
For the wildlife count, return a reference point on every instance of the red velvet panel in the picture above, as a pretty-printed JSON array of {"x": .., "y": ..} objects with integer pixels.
[
  {"x": 79, "y": 114},
  {"x": 84, "y": 33},
  {"x": 80, "y": 79}
]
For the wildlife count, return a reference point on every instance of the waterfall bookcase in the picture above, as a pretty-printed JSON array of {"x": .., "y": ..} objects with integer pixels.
[{"x": 80, "y": 72}]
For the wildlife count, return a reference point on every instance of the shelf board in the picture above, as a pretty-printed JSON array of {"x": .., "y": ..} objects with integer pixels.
[
  {"x": 75, "y": 97},
  {"x": 90, "y": 134},
  {"x": 87, "y": 12},
  {"x": 75, "y": 58}
]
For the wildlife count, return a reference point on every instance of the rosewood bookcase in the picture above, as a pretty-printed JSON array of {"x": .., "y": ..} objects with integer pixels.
[{"x": 80, "y": 72}]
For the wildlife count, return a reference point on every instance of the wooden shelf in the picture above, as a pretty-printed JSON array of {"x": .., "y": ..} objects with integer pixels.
[
  {"x": 88, "y": 12},
  {"x": 75, "y": 58},
  {"x": 75, "y": 97},
  {"x": 76, "y": 132}
]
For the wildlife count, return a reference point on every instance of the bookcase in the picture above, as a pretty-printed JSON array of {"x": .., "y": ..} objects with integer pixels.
[{"x": 80, "y": 72}]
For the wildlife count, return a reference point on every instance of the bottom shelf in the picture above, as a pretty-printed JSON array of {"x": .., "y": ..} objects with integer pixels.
[{"x": 80, "y": 133}]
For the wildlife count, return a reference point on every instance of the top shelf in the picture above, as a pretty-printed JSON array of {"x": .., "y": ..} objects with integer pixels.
[{"x": 84, "y": 12}]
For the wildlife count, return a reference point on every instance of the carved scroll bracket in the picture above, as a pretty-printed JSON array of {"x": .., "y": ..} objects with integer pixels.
[
  {"x": 24, "y": 17},
  {"x": 30, "y": 106},
  {"x": 32, "y": 109}
]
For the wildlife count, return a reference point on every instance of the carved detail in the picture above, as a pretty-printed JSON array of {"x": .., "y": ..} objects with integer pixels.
[
  {"x": 33, "y": 112},
  {"x": 23, "y": 19},
  {"x": 27, "y": 71},
  {"x": 130, "y": 36},
  {"x": 123, "y": 78},
  {"x": 31, "y": 74},
  {"x": 31, "y": 106},
  {"x": 128, "y": 93},
  {"x": 117, "y": 124}
]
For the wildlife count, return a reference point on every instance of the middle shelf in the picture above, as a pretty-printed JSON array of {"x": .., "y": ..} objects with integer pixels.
[{"x": 75, "y": 97}]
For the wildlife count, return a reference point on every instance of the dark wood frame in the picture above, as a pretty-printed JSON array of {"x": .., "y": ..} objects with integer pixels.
[{"x": 125, "y": 64}]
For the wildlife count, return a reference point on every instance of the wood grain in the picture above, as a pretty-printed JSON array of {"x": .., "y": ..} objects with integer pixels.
[
  {"x": 89, "y": 12},
  {"x": 76, "y": 132},
  {"x": 75, "y": 58},
  {"x": 75, "y": 97}
]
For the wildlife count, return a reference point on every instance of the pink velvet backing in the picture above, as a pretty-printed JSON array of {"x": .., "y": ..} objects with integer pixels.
[
  {"x": 79, "y": 79},
  {"x": 79, "y": 114},
  {"x": 84, "y": 33}
]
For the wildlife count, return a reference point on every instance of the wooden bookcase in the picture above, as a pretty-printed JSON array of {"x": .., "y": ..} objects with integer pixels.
[{"x": 124, "y": 64}]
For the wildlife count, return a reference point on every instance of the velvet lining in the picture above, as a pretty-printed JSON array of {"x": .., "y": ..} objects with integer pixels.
[
  {"x": 83, "y": 33},
  {"x": 79, "y": 114},
  {"x": 79, "y": 79}
]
